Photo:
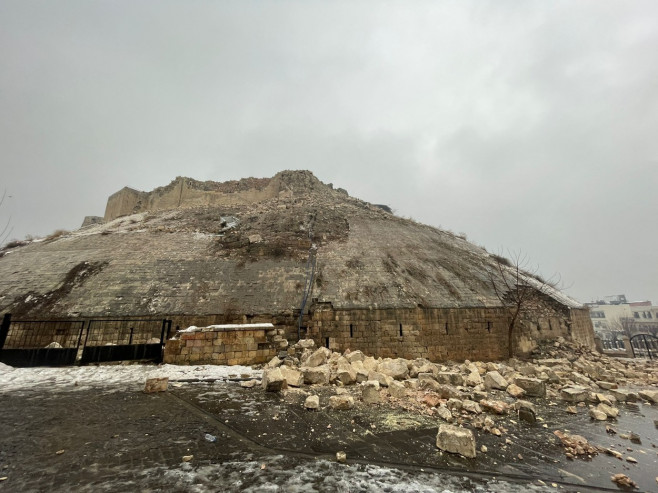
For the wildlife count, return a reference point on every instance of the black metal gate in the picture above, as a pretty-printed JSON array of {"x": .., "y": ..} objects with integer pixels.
[
  {"x": 63, "y": 342},
  {"x": 644, "y": 345},
  {"x": 123, "y": 340},
  {"x": 39, "y": 342}
]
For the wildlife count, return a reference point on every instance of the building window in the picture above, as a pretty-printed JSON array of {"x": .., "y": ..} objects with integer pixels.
[
  {"x": 400, "y": 330},
  {"x": 636, "y": 314}
]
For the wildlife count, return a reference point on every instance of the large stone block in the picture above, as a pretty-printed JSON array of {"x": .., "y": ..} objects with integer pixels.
[
  {"x": 273, "y": 380},
  {"x": 293, "y": 377},
  {"x": 316, "y": 375},
  {"x": 396, "y": 368},
  {"x": 532, "y": 386},
  {"x": 341, "y": 402},
  {"x": 574, "y": 393},
  {"x": 153, "y": 385},
  {"x": 456, "y": 440},
  {"x": 494, "y": 380}
]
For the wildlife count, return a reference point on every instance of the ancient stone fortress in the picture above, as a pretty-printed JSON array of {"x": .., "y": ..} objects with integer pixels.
[{"x": 259, "y": 251}]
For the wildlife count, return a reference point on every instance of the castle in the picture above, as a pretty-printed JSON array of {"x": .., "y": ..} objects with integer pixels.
[{"x": 291, "y": 251}]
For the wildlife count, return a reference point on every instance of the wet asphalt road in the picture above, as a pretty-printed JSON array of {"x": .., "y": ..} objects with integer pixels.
[{"x": 246, "y": 440}]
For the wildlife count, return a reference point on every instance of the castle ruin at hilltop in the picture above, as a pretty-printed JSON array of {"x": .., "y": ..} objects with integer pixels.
[{"x": 290, "y": 251}]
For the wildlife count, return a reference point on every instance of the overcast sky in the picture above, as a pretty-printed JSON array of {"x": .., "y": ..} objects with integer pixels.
[{"x": 527, "y": 125}]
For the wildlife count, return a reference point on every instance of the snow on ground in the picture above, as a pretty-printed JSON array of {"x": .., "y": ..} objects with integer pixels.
[{"x": 112, "y": 377}]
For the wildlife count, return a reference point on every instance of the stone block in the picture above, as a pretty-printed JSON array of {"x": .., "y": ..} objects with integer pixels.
[
  {"x": 341, "y": 402},
  {"x": 294, "y": 378},
  {"x": 312, "y": 403},
  {"x": 494, "y": 380},
  {"x": 370, "y": 392},
  {"x": 574, "y": 393},
  {"x": 316, "y": 375},
  {"x": 456, "y": 440},
  {"x": 273, "y": 380},
  {"x": 532, "y": 386},
  {"x": 153, "y": 385}
]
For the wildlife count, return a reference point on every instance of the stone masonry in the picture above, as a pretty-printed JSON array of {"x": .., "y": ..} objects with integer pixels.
[{"x": 225, "y": 345}]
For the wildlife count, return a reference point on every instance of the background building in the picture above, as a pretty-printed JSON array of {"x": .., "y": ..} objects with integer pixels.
[{"x": 614, "y": 316}]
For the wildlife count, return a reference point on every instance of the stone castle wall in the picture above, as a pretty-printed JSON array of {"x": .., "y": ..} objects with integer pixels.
[
  {"x": 438, "y": 334},
  {"x": 185, "y": 192}
]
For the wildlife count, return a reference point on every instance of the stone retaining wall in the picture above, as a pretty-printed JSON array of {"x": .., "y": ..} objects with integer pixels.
[
  {"x": 438, "y": 334},
  {"x": 225, "y": 345}
]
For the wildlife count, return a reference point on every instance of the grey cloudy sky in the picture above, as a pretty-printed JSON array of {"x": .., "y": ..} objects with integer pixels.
[{"x": 526, "y": 125}]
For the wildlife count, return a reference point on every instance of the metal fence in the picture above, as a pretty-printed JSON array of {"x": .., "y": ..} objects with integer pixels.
[{"x": 65, "y": 342}]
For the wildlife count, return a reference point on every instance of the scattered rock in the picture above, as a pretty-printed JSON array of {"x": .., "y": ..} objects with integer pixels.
[
  {"x": 498, "y": 407},
  {"x": 312, "y": 403},
  {"x": 431, "y": 399},
  {"x": 273, "y": 380},
  {"x": 649, "y": 395},
  {"x": 273, "y": 363},
  {"x": 249, "y": 384},
  {"x": 471, "y": 406},
  {"x": 346, "y": 375},
  {"x": 397, "y": 390},
  {"x": 370, "y": 392},
  {"x": 515, "y": 391},
  {"x": 156, "y": 385},
  {"x": 597, "y": 414},
  {"x": 317, "y": 358},
  {"x": 575, "y": 444},
  {"x": 395, "y": 368},
  {"x": 526, "y": 411},
  {"x": 610, "y": 412},
  {"x": 380, "y": 377},
  {"x": 456, "y": 440},
  {"x": 494, "y": 380},
  {"x": 533, "y": 386},
  {"x": 187, "y": 458},
  {"x": 354, "y": 356},
  {"x": 623, "y": 480},
  {"x": 450, "y": 378},
  {"x": 444, "y": 413},
  {"x": 573, "y": 394},
  {"x": 473, "y": 379},
  {"x": 316, "y": 375},
  {"x": 341, "y": 402},
  {"x": 341, "y": 457},
  {"x": 294, "y": 378}
]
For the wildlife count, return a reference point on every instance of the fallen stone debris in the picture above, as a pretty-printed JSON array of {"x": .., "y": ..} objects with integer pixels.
[
  {"x": 153, "y": 385},
  {"x": 576, "y": 445},
  {"x": 623, "y": 480},
  {"x": 471, "y": 395}
]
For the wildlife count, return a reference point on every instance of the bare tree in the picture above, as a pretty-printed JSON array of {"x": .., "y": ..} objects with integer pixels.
[
  {"x": 517, "y": 286},
  {"x": 7, "y": 228},
  {"x": 626, "y": 325}
]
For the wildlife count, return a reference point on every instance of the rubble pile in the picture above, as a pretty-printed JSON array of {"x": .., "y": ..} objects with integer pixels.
[{"x": 474, "y": 394}]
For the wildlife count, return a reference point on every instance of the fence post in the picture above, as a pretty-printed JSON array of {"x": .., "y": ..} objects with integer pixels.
[
  {"x": 162, "y": 332},
  {"x": 4, "y": 329}
]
